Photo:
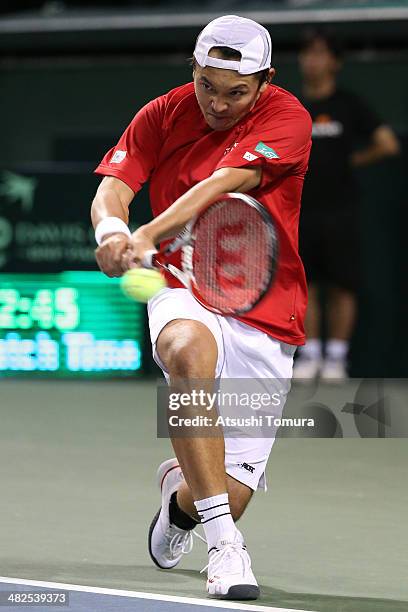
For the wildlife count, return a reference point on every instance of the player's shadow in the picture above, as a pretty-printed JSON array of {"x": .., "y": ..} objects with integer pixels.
[
  {"x": 132, "y": 577},
  {"x": 188, "y": 573},
  {"x": 146, "y": 578},
  {"x": 306, "y": 601}
]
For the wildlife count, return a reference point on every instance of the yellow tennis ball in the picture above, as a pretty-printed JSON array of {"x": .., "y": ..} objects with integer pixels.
[{"x": 141, "y": 284}]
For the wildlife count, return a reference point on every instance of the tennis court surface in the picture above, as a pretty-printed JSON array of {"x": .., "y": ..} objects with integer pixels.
[{"x": 77, "y": 474}]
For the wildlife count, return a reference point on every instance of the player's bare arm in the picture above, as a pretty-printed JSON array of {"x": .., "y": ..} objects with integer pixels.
[
  {"x": 112, "y": 199},
  {"x": 384, "y": 143},
  {"x": 172, "y": 220}
]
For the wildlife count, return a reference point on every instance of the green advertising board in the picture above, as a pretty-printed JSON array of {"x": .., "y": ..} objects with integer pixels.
[{"x": 68, "y": 324}]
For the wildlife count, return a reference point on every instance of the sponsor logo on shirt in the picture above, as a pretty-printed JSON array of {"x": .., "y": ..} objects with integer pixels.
[
  {"x": 266, "y": 151},
  {"x": 228, "y": 149},
  {"x": 118, "y": 157},
  {"x": 250, "y": 156},
  {"x": 326, "y": 127}
]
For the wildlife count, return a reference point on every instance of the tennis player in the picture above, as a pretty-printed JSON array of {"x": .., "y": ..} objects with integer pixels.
[{"x": 230, "y": 130}]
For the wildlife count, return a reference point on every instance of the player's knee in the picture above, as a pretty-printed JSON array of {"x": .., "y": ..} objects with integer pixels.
[{"x": 188, "y": 350}]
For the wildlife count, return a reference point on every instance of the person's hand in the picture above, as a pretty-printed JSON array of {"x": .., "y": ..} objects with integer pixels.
[
  {"x": 139, "y": 243},
  {"x": 109, "y": 255}
]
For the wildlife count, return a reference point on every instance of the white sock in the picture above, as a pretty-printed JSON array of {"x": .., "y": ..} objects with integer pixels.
[
  {"x": 215, "y": 517},
  {"x": 337, "y": 349},
  {"x": 312, "y": 349}
]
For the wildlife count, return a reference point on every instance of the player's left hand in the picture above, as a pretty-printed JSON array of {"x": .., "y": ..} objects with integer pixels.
[{"x": 140, "y": 242}]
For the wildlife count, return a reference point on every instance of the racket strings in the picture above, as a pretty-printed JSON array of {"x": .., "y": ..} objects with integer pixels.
[{"x": 233, "y": 255}]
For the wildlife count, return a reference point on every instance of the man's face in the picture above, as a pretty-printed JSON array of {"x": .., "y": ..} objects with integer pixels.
[
  {"x": 225, "y": 96},
  {"x": 317, "y": 62}
]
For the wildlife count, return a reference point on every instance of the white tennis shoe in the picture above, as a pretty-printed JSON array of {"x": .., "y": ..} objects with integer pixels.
[
  {"x": 168, "y": 543},
  {"x": 306, "y": 368},
  {"x": 229, "y": 573},
  {"x": 334, "y": 370}
]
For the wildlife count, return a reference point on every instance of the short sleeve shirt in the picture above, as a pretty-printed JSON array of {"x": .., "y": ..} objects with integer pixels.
[{"x": 169, "y": 144}]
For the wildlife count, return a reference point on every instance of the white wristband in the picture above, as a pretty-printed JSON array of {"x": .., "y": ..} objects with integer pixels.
[{"x": 110, "y": 225}]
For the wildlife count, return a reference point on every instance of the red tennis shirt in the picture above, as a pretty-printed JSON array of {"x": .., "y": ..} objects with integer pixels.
[{"x": 169, "y": 144}]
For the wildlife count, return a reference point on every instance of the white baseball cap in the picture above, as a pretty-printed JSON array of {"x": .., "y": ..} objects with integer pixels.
[{"x": 244, "y": 35}]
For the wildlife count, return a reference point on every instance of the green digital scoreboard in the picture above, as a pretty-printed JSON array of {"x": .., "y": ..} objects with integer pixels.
[{"x": 70, "y": 324}]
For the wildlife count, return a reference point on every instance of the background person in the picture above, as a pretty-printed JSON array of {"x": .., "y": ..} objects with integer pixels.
[{"x": 329, "y": 234}]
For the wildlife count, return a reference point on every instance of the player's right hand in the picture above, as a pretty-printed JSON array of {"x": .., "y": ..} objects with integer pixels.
[{"x": 109, "y": 254}]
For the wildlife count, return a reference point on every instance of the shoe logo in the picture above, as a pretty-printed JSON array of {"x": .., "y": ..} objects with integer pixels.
[{"x": 246, "y": 466}]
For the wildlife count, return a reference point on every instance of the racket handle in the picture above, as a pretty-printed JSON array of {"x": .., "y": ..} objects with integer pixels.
[{"x": 148, "y": 259}]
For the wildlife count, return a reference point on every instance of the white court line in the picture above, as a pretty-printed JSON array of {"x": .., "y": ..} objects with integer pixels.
[{"x": 156, "y": 596}]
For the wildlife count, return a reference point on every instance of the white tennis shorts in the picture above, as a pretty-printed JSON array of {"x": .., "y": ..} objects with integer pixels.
[{"x": 243, "y": 352}]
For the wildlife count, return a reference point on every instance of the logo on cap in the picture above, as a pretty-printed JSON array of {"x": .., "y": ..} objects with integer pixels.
[{"x": 248, "y": 37}]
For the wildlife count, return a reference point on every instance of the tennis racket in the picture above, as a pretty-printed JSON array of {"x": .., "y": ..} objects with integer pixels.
[{"x": 228, "y": 254}]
